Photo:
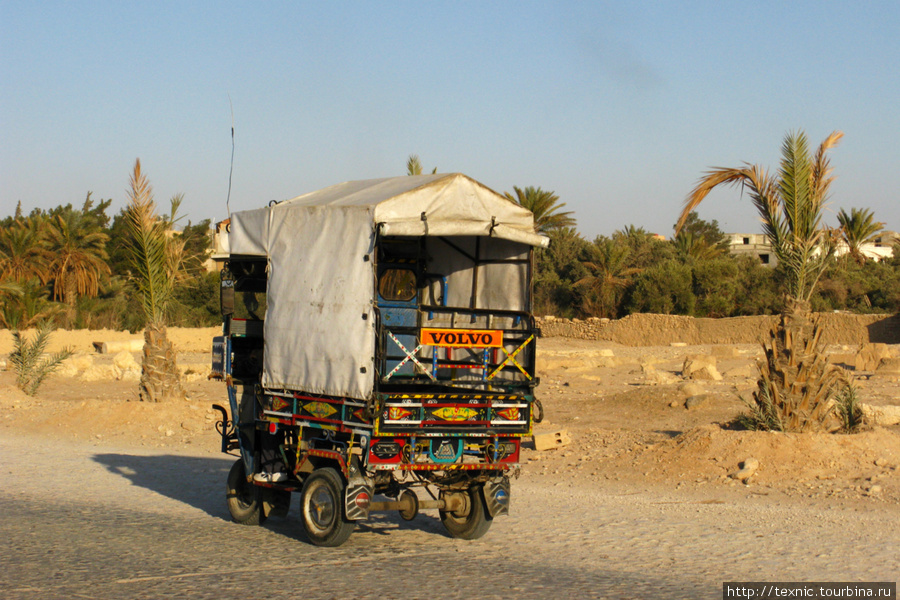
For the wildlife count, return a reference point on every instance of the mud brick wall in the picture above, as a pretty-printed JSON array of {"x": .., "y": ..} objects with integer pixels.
[{"x": 660, "y": 330}]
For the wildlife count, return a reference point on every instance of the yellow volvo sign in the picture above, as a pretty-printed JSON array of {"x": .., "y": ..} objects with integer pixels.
[{"x": 462, "y": 338}]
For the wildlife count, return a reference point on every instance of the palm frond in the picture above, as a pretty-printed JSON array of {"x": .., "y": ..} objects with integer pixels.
[
  {"x": 821, "y": 169},
  {"x": 545, "y": 206},
  {"x": 413, "y": 165},
  {"x": 148, "y": 247},
  {"x": 713, "y": 178},
  {"x": 796, "y": 168}
]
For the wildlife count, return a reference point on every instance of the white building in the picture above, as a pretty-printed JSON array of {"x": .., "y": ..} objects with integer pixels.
[{"x": 757, "y": 244}]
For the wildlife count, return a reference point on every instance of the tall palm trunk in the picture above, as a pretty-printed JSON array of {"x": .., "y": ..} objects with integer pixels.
[
  {"x": 150, "y": 251},
  {"x": 160, "y": 380},
  {"x": 796, "y": 384}
]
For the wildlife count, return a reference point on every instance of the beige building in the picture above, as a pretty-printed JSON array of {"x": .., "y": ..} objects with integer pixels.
[{"x": 754, "y": 244}]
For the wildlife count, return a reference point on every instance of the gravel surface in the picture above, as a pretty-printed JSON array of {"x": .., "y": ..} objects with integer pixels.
[{"x": 89, "y": 521}]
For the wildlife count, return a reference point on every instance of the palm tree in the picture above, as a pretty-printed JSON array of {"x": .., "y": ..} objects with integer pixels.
[
  {"x": 25, "y": 305},
  {"x": 152, "y": 259},
  {"x": 414, "y": 166},
  {"x": 856, "y": 229},
  {"x": 687, "y": 245},
  {"x": 22, "y": 251},
  {"x": 700, "y": 240},
  {"x": 8, "y": 291},
  {"x": 610, "y": 273},
  {"x": 545, "y": 205},
  {"x": 78, "y": 254},
  {"x": 647, "y": 249},
  {"x": 796, "y": 384}
]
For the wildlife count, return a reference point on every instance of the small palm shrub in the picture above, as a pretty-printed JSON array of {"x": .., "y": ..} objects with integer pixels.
[
  {"x": 849, "y": 409},
  {"x": 30, "y": 363}
]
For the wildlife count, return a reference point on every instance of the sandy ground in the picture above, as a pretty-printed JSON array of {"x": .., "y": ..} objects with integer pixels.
[{"x": 622, "y": 408}]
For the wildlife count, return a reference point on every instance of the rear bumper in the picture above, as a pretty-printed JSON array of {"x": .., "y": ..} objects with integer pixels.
[{"x": 449, "y": 431}]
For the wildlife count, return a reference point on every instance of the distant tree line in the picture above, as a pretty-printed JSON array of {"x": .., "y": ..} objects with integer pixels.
[
  {"x": 69, "y": 266},
  {"x": 693, "y": 274}
]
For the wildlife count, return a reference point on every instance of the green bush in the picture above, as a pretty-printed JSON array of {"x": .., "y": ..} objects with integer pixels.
[
  {"x": 716, "y": 287},
  {"x": 757, "y": 288},
  {"x": 196, "y": 302},
  {"x": 664, "y": 289}
]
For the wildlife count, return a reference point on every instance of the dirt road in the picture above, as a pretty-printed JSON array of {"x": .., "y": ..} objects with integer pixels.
[{"x": 88, "y": 521}]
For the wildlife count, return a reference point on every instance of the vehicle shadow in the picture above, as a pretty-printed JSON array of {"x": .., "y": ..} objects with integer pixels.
[
  {"x": 195, "y": 481},
  {"x": 200, "y": 482}
]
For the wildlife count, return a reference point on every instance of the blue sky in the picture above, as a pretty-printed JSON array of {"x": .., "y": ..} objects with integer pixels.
[{"x": 617, "y": 107}]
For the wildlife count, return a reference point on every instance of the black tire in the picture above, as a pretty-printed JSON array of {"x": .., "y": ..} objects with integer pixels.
[
  {"x": 473, "y": 525},
  {"x": 242, "y": 497},
  {"x": 322, "y": 509}
]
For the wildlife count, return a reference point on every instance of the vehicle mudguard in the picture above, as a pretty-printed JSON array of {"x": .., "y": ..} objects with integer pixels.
[{"x": 358, "y": 494}]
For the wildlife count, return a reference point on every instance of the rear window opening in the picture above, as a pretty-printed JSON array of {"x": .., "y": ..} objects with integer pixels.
[{"x": 397, "y": 284}]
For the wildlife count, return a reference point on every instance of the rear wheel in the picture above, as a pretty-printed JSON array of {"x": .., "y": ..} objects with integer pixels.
[
  {"x": 243, "y": 497},
  {"x": 469, "y": 526},
  {"x": 322, "y": 508}
]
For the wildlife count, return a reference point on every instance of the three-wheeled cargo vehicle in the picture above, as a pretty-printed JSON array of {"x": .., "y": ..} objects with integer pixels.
[{"x": 378, "y": 341}]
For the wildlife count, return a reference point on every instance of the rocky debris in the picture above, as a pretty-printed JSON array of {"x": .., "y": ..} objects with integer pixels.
[
  {"x": 648, "y": 359},
  {"x": 747, "y": 468},
  {"x": 725, "y": 352},
  {"x": 123, "y": 367},
  {"x": 870, "y": 356},
  {"x": 100, "y": 373},
  {"x": 689, "y": 388},
  {"x": 607, "y": 362},
  {"x": 580, "y": 362},
  {"x": 192, "y": 426},
  {"x": 742, "y": 372},
  {"x": 653, "y": 376},
  {"x": 665, "y": 378},
  {"x": 115, "y": 347},
  {"x": 888, "y": 367},
  {"x": 695, "y": 401},
  {"x": 128, "y": 368},
  {"x": 848, "y": 361},
  {"x": 700, "y": 366},
  {"x": 75, "y": 364},
  {"x": 881, "y": 415},
  {"x": 194, "y": 372}
]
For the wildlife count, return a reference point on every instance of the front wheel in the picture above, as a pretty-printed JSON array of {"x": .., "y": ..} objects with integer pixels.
[
  {"x": 470, "y": 526},
  {"x": 322, "y": 508},
  {"x": 242, "y": 497}
]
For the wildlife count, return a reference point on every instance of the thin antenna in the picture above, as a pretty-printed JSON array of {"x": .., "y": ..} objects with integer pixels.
[{"x": 231, "y": 168}]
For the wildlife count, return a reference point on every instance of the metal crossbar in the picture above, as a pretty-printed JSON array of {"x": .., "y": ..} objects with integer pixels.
[
  {"x": 512, "y": 358},
  {"x": 409, "y": 356}
]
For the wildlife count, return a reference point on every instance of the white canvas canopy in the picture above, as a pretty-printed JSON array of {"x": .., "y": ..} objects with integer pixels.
[{"x": 319, "y": 326}]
